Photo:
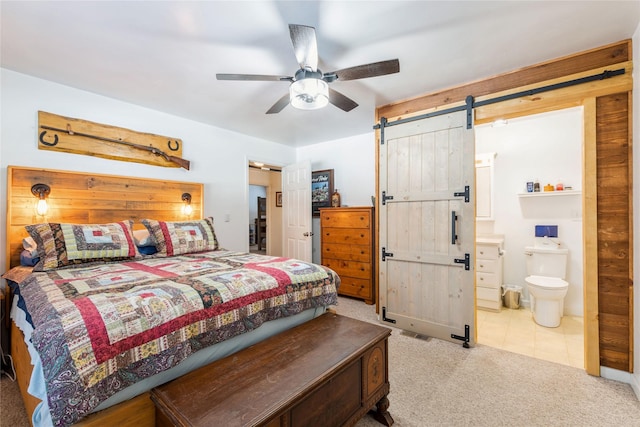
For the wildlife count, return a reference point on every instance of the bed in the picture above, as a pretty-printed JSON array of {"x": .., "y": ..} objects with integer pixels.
[{"x": 104, "y": 323}]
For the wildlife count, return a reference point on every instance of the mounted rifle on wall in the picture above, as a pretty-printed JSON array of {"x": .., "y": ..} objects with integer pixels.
[{"x": 78, "y": 136}]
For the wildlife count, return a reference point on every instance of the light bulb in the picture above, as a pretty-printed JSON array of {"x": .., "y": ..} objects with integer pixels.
[
  {"x": 42, "y": 207},
  {"x": 309, "y": 94}
]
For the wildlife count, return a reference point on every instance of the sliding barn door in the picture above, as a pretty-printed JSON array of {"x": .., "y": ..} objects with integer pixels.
[{"x": 427, "y": 227}]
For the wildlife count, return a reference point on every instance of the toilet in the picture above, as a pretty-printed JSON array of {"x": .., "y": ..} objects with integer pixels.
[{"x": 547, "y": 268}]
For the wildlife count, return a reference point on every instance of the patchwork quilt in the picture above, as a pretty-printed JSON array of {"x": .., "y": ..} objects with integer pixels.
[{"x": 101, "y": 328}]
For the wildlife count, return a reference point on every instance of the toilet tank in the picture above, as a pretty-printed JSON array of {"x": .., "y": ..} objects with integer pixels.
[{"x": 549, "y": 262}]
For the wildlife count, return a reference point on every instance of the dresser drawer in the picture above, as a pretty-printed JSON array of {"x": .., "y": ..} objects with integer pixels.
[
  {"x": 489, "y": 304},
  {"x": 487, "y": 252},
  {"x": 347, "y": 252},
  {"x": 345, "y": 219},
  {"x": 487, "y": 265},
  {"x": 345, "y": 268},
  {"x": 346, "y": 235},
  {"x": 488, "y": 280},
  {"x": 488, "y": 294},
  {"x": 355, "y": 287}
]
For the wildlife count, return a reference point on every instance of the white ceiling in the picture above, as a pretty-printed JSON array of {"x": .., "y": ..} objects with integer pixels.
[{"x": 164, "y": 54}]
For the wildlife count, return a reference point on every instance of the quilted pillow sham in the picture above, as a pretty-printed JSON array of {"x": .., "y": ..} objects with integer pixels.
[
  {"x": 61, "y": 245},
  {"x": 182, "y": 237}
]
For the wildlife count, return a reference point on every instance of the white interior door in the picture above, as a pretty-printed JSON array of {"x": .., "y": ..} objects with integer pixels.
[
  {"x": 296, "y": 204},
  {"x": 427, "y": 227}
]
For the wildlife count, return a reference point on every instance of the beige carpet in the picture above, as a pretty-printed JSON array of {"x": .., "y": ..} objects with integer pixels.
[{"x": 437, "y": 383}]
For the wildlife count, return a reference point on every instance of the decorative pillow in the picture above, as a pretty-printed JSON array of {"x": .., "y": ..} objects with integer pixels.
[
  {"x": 61, "y": 245},
  {"x": 143, "y": 238},
  {"x": 28, "y": 259},
  {"x": 182, "y": 237},
  {"x": 29, "y": 244},
  {"x": 148, "y": 250}
]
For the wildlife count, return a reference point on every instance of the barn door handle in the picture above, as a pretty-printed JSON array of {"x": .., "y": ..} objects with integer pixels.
[{"x": 454, "y": 236}]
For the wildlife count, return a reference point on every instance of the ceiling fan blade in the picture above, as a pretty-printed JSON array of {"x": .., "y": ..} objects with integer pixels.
[
  {"x": 305, "y": 46},
  {"x": 368, "y": 70},
  {"x": 255, "y": 77},
  {"x": 279, "y": 105},
  {"x": 341, "y": 101}
]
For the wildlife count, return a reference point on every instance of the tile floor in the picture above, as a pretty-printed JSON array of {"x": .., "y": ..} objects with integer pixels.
[{"x": 514, "y": 330}]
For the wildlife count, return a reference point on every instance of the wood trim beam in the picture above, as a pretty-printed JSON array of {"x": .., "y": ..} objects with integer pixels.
[
  {"x": 584, "y": 61},
  {"x": 590, "y": 241}
]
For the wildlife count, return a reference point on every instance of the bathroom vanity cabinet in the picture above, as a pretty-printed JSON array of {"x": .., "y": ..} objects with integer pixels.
[{"x": 489, "y": 258}]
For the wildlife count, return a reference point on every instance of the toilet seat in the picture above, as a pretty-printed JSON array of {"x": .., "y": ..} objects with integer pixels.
[{"x": 549, "y": 283}]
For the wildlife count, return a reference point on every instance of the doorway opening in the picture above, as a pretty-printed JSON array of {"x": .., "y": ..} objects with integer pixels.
[
  {"x": 264, "y": 219},
  {"x": 258, "y": 219},
  {"x": 546, "y": 147}
]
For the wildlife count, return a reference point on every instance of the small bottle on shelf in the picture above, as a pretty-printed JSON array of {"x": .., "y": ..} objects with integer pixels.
[
  {"x": 335, "y": 199},
  {"x": 536, "y": 186}
]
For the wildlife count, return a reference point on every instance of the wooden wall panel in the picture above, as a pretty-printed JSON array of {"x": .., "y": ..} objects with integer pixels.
[
  {"x": 87, "y": 198},
  {"x": 615, "y": 281}
]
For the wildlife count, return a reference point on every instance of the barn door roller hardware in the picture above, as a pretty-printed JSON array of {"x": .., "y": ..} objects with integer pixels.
[{"x": 470, "y": 103}]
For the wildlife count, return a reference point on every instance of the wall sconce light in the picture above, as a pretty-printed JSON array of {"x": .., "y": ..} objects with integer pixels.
[
  {"x": 41, "y": 191},
  {"x": 186, "y": 208}
]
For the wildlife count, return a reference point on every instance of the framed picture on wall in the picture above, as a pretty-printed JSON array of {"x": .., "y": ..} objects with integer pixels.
[
  {"x": 321, "y": 190},
  {"x": 279, "y": 199}
]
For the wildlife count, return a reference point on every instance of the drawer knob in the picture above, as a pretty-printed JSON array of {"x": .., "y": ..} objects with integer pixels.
[{"x": 481, "y": 266}]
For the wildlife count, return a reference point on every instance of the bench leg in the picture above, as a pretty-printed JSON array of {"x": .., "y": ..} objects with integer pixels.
[{"x": 382, "y": 414}]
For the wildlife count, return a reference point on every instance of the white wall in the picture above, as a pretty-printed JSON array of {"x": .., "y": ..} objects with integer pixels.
[
  {"x": 218, "y": 157},
  {"x": 353, "y": 163},
  {"x": 547, "y": 147}
]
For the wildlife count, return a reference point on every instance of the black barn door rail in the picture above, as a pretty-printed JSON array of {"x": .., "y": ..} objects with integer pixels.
[{"x": 470, "y": 103}]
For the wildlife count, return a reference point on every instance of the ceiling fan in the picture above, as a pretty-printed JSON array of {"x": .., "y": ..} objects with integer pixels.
[{"x": 309, "y": 89}]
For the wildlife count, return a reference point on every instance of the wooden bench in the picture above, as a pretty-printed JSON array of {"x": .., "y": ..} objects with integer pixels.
[{"x": 327, "y": 372}]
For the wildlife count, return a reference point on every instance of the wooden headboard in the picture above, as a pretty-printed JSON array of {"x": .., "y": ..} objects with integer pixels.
[{"x": 89, "y": 198}]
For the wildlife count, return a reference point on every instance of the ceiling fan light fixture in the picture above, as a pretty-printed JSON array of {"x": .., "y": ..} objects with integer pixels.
[{"x": 309, "y": 94}]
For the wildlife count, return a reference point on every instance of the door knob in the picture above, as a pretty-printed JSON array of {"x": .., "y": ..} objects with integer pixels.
[{"x": 307, "y": 234}]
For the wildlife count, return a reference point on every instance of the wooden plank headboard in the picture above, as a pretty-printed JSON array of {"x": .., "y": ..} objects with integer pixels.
[{"x": 89, "y": 198}]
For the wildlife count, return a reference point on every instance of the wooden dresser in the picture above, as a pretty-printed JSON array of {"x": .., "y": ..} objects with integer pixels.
[{"x": 347, "y": 246}]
